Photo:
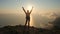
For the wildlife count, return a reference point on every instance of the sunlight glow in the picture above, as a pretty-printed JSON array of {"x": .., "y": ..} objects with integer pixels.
[
  {"x": 29, "y": 7},
  {"x": 31, "y": 22}
]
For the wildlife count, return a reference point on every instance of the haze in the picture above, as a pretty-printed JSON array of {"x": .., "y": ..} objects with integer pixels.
[{"x": 11, "y": 12}]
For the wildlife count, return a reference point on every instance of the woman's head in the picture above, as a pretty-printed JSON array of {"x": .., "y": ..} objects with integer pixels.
[{"x": 27, "y": 11}]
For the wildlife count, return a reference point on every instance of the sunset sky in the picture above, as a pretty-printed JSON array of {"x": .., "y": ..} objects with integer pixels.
[
  {"x": 41, "y": 15},
  {"x": 37, "y": 4}
]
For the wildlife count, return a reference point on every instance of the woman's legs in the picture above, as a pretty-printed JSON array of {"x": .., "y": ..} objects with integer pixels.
[{"x": 26, "y": 23}]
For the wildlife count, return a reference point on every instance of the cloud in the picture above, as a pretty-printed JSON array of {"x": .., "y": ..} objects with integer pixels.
[{"x": 49, "y": 15}]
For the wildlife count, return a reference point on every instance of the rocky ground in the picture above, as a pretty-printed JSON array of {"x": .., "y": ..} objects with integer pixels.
[{"x": 21, "y": 29}]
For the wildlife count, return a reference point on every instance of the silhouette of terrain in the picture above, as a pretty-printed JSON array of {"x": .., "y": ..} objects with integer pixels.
[{"x": 19, "y": 29}]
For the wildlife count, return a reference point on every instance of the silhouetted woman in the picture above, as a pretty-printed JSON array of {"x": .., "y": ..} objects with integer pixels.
[{"x": 27, "y": 16}]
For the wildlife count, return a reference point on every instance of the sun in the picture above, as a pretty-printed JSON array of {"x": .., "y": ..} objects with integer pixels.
[{"x": 29, "y": 7}]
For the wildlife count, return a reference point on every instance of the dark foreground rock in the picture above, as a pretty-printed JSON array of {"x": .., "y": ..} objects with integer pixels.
[{"x": 20, "y": 29}]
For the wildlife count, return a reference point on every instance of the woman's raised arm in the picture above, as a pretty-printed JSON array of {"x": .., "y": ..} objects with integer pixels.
[
  {"x": 31, "y": 10},
  {"x": 23, "y": 9}
]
